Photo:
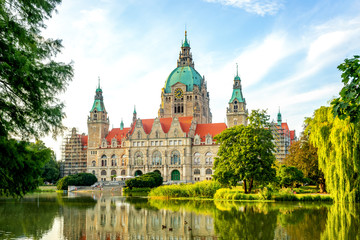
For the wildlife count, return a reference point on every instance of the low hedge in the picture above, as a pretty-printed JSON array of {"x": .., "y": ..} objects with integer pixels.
[
  {"x": 148, "y": 180},
  {"x": 80, "y": 179}
]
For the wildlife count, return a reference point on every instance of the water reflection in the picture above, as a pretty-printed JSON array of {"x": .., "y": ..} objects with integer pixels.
[{"x": 101, "y": 216}]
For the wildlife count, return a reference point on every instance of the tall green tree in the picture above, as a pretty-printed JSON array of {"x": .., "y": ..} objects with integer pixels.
[
  {"x": 23, "y": 165},
  {"x": 289, "y": 176},
  {"x": 338, "y": 144},
  {"x": 51, "y": 172},
  {"x": 246, "y": 153},
  {"x": 303, "y": 155},
  {"x": 30, "y": 80}
]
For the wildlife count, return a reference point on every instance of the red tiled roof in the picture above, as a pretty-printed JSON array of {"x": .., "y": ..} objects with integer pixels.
[
  {"x": 285, "y": 126},
  {"x": 209, "y": 128},
  {"x": 117, "y": 133}
]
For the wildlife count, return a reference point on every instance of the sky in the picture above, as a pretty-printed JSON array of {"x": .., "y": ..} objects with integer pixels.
[{"x": 287, "y": 52}]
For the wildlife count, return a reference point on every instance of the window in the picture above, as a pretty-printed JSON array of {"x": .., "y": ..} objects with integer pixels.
[
  {"x": 197, "y": 158},
  {"x": 208, "y": 171},
  {"x": 175, "y": 142},
  {"x": 175, "y": 158},
  {"x": 122, "y": 172},
  {"x": 123, "y": 160},
  {"x": 175, "y": 175},
  {"x": 161, "y": 143},
  {"x": 113, "y": 172},
  {"x": 170, "y": 142},
  {"x": 103, "y": 173},
  {"x": 197, "y": 171},
  {"x": 113, "y": 160},
  {"x": 138, "y": 158},
  {"x": 152, "y": 143},
  {"x": 93, "y": 172},
  {"x": 156, "y": 158},
  {"x": 142, "y": 144},
  {"x": 103, "y": 161},
  {"x": 180, "y": 142},
  {"x": 93, "y": 163},
  {"x": 134, "y": 144},
  {"x": 208, "y": 158}
]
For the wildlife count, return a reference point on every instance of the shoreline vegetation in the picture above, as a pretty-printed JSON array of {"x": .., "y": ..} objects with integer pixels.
[{"x": 210, "y": 190}]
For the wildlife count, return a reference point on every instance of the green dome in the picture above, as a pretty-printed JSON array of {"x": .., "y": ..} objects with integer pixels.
[{"x": 186, "y": 75}]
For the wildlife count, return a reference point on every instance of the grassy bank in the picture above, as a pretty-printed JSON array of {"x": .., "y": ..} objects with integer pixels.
[
  {"x": 46, "y": 189},
  {"x": 213, "y": 190}
]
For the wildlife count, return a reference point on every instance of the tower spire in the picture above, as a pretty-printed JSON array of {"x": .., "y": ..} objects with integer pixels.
[
  {"x": 279, "y": 119},
  {"x": 237, "y": 70},
  {"x": 99, "y": 82}
]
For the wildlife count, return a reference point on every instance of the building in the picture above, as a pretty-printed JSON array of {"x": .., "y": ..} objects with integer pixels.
[
  {"x": 283, "y": 138},
  {"x": 179, "y": 143}
]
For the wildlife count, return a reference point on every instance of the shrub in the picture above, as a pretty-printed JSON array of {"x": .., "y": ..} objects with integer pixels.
[
  {"x": 80, "y": 179},
  {"x": 148, "y": 180},
  {"x": 265, "y": 194}
]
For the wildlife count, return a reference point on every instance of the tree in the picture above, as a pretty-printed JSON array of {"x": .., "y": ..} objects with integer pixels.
[
  {"x": 303, "y": 155},
  {"x": 338, "y": 144},
  {"x": 51, "y": 172},
  {"x": 80, "y": 179},
  {"x": 21, "y": 165},
  {"x": 30, "y": 79},
  {"x": 348, "y": 104},
  {"x": 289, "y": 176},
  {"x": 246, "y": 153}
]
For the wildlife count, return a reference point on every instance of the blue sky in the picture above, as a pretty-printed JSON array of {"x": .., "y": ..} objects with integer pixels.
[{"x": 287, "y": 53}]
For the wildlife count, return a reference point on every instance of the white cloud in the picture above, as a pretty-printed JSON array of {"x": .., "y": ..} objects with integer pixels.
[{"x": 260, "y": 7}]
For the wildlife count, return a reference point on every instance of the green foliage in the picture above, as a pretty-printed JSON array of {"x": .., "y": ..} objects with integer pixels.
[
  {"x": 338, "y": 144},
  {"x": 303, "y": 155},
  {"x": 80, "y": 179},
  {"x": 205, "y": 189},
  {"x": 246, "y": 153},
  {"x": 348, "y": 104},
  {"x": 289, "y": 176},
  {"x": 51, "y": 172},
  {"x": 265, "y": 194},
  {"x": 137, "y": 190},
  {"x": 29, "y": 77},
  {"x": 148, "y": 180},
  {"x": 21, "y": 165}
]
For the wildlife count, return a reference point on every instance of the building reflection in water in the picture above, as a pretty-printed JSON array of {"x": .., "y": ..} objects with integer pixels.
[{"x": 116, "y": 218}]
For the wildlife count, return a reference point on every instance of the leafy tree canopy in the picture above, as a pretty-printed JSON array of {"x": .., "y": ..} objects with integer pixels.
[
  {"x": 303, "y": 155},
  {"x": 348, "y": 104},
  {"x": 21, "y": 165},
  {"x": 30, "y": 79},
  {"x": 51, "y": 172},
  {"x": 289, "y": 176},
  {"x": 246, "y": 153},
  {"x": 29, "y": 76}
]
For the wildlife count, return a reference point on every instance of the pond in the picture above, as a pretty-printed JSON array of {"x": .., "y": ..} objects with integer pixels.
[{"x": 110, "y": 216}]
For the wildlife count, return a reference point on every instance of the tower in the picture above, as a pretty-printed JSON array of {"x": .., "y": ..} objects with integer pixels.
[
  {"x": 185, "y": 91},
  {"x": 236, "y": 113},
  {"x": 98, "y": 121}
]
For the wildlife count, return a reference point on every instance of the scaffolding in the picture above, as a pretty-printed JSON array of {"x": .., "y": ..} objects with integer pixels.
[
  {"x": 74, "y": 153},
  {"x": 281, "y": 140}
]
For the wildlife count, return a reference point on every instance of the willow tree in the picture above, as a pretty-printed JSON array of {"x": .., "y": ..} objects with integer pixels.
[{"x": 338, "y": 144}]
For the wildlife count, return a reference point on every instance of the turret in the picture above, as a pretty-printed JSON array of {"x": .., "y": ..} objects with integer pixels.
[{"x": 236, "y": 112}]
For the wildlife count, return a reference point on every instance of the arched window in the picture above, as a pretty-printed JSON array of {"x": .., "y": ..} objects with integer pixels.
[
  {"x": 235, "y": 108},
  {"x": 156, "y": 158},
  {"x": 175, "y": 158},
  {"x": 197, "y": 158},
  {"x": 138, "y": 173},
  {"x": 113, "y": 172},
  {"x": 235, "y": 121},
  {"x": 208, "y": 171},
  {"x": 123, "y": 160},
  {"x": 113, "y": 160},
  {"x": 197, "y": 171},
  {"x": 103, "y": 161},
  {"x": 93, "y": 172},
  {"x": 103, "y": 173},
  {"x": 93, "y": 163},
  {"x": 123, "y": 173},
  {"x": 175, "y": 175},
  {"x": 208, "y": 158},
  {"x": 138, "y": 158}
]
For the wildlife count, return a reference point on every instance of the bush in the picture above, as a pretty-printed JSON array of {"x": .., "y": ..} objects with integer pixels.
[
  {"x": 205, "y": 189},
  {"x": 80, "y": 179},
  {"x": 265, "y": 194},
  {"x": 148, "y": 180}
]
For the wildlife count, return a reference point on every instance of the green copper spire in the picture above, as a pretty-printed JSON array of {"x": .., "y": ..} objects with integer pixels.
[
  {"x": 134, "y": 109},
  {"x": 98, "y": 99},
  {"x": 279, "y": 120},
  {"x": 186, "y": 43},
  {"x": 98, "y": 88},
  {"x": 121, "y": 125},
  {"x": 237, "y": 73}
]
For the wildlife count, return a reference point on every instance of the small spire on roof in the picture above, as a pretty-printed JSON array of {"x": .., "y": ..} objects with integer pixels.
[
  {"x": 237, "y": 70},
  {"x": 135, "y": 109},
  {"x": 98, "y": 81},
  {"x": 121, "y": 124}
]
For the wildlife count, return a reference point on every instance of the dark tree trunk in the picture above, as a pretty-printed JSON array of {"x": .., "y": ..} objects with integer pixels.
[
  {"x": 245, "y": 188},
  {"x": 250, "y": 185},
  {"x": 322, "y": 187}
]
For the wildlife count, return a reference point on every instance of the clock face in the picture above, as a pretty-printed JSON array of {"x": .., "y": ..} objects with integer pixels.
[{"x": 178, "y": 93}]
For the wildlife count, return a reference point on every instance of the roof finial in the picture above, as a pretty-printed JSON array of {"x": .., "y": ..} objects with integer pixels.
[
  {"x": 135, "y": 109},
  {"x": 121, "y": 124},
  {"x": 98, "y": 81},
  {"x": 237, "y": 70}
]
